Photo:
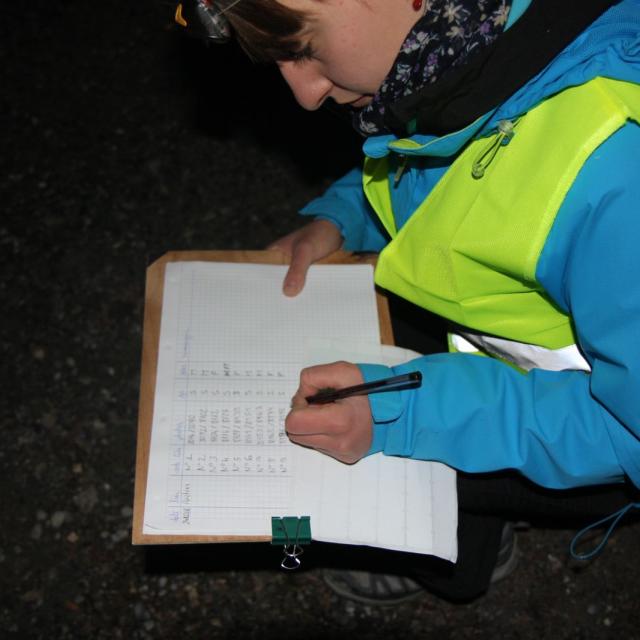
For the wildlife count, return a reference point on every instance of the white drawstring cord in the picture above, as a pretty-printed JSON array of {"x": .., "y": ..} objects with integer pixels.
[{"x": 486, "y": 156}]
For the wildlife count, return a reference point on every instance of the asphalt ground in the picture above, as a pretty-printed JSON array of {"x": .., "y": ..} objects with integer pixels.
[{"x": 122, "y": 141}]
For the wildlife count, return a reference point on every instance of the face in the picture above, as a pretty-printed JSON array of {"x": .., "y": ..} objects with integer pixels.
[{"x": 347, "y": 49}]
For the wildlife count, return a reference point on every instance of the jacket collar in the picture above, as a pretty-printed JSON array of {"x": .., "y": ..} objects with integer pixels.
[
  {"x": 610, "y": 47},
  {"x": 497, "y": 71}
]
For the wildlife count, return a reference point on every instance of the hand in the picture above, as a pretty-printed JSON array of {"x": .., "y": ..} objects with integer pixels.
[
  {"x": 305, "y": 246},
  {"x": 342, "y": 429}
]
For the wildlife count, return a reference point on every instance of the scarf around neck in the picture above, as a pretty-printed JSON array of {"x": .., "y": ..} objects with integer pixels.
[{"x": 446, "y": 36}]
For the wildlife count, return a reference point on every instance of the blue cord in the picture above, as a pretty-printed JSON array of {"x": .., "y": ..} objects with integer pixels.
[{"x": 615, "y": 517}]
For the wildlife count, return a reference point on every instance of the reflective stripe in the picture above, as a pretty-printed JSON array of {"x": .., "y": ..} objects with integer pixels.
[{"x": 525, "y": 356}]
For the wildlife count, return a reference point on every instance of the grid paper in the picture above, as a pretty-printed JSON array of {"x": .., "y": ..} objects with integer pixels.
[{"x": 230, "y": 353}]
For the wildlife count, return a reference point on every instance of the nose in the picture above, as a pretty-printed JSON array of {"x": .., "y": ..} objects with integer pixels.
[{"x": 310, "y": 87}]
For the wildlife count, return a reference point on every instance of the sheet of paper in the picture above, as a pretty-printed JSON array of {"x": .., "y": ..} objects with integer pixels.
[
  {"x": 230, "y": 352},
  {"x": 381, "y": 501}
]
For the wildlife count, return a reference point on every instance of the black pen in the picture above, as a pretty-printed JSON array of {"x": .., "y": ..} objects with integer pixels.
[{"x": 396, "y": 383}]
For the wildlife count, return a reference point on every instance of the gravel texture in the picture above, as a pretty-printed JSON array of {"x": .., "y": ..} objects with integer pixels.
[{"x": 123, "y": 141}]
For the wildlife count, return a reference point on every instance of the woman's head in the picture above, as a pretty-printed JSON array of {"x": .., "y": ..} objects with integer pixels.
[
  {"x": 361, "y": 53},
  {"x": 339, "y": 49}
]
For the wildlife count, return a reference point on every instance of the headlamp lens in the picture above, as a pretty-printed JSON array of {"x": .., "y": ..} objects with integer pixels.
[{"x": 202, "y": 19}]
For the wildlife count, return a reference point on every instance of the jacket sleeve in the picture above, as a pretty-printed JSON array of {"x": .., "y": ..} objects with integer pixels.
[
  {"x": 345, "y": 204},
  {"x": 561, "y": 429}
]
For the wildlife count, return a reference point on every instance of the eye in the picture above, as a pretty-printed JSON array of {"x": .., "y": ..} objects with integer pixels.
[{"x": 300, "y": 55}]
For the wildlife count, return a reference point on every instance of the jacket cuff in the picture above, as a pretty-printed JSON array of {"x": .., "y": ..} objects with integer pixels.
[
  {"x": 349, "y": 230},
  {"x": 385, "y": 407},
  {"x": 379, "y": 439}
]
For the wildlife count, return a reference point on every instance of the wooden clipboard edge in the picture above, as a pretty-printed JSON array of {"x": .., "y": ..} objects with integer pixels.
[{"x": 150, "y": 339}]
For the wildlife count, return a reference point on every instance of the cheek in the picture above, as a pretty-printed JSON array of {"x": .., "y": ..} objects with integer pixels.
[{"x": 356, "y": 72}]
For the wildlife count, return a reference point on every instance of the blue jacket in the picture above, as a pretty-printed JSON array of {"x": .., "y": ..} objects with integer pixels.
[{"x": 560, "y": 429}]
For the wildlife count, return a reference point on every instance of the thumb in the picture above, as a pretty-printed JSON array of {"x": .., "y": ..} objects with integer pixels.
[{"x": 301, "y": 259}]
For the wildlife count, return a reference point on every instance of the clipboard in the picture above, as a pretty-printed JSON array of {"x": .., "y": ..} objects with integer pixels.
[{"x": 151, "y": 337}]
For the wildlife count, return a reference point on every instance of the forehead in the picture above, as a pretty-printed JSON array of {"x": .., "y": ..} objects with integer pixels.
[{"x": 306, "y": 10}]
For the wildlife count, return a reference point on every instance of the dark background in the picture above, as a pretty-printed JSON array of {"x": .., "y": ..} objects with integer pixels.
[{"x": 121, "y": 141}]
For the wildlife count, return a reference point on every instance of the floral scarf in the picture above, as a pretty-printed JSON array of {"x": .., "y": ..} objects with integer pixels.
[{"x": 449, "y": 33}]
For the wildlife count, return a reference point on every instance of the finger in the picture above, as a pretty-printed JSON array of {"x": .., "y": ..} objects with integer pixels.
[
  {"x": 282, "y": 244},
  {"x": 299, "y": 401},
  {"x": 334, "y": 375},
  {"x": 301, "y": 259},
  {"x": 316, "y": 419},
  {"x": 276, "y": 247},
  {"x": 327, "y": 445},
  {"x": 313, "y": 380}
]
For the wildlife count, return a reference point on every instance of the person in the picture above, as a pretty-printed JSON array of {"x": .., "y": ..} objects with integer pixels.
[{"x": 500, "y": 188}]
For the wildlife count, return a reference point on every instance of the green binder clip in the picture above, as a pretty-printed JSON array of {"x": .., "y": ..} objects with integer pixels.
[{"x": 291, "y": 532}]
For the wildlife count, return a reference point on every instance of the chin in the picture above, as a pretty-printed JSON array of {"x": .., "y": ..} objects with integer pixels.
[{"x": 360, "y": 103}]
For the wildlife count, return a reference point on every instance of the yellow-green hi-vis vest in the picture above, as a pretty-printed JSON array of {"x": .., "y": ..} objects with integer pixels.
[{"x": 469, "y": 251}]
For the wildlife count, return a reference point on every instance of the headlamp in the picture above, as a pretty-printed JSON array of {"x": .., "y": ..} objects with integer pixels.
[{"x": 204, "y": 19}]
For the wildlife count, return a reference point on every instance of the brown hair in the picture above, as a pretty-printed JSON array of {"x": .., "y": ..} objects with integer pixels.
[{"x": 267, "y": 30}]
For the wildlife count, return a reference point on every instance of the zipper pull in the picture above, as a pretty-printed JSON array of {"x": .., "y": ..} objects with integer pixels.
[
  {"x": 486, "y": 156},
  {"x": 402, "y": 165}
]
